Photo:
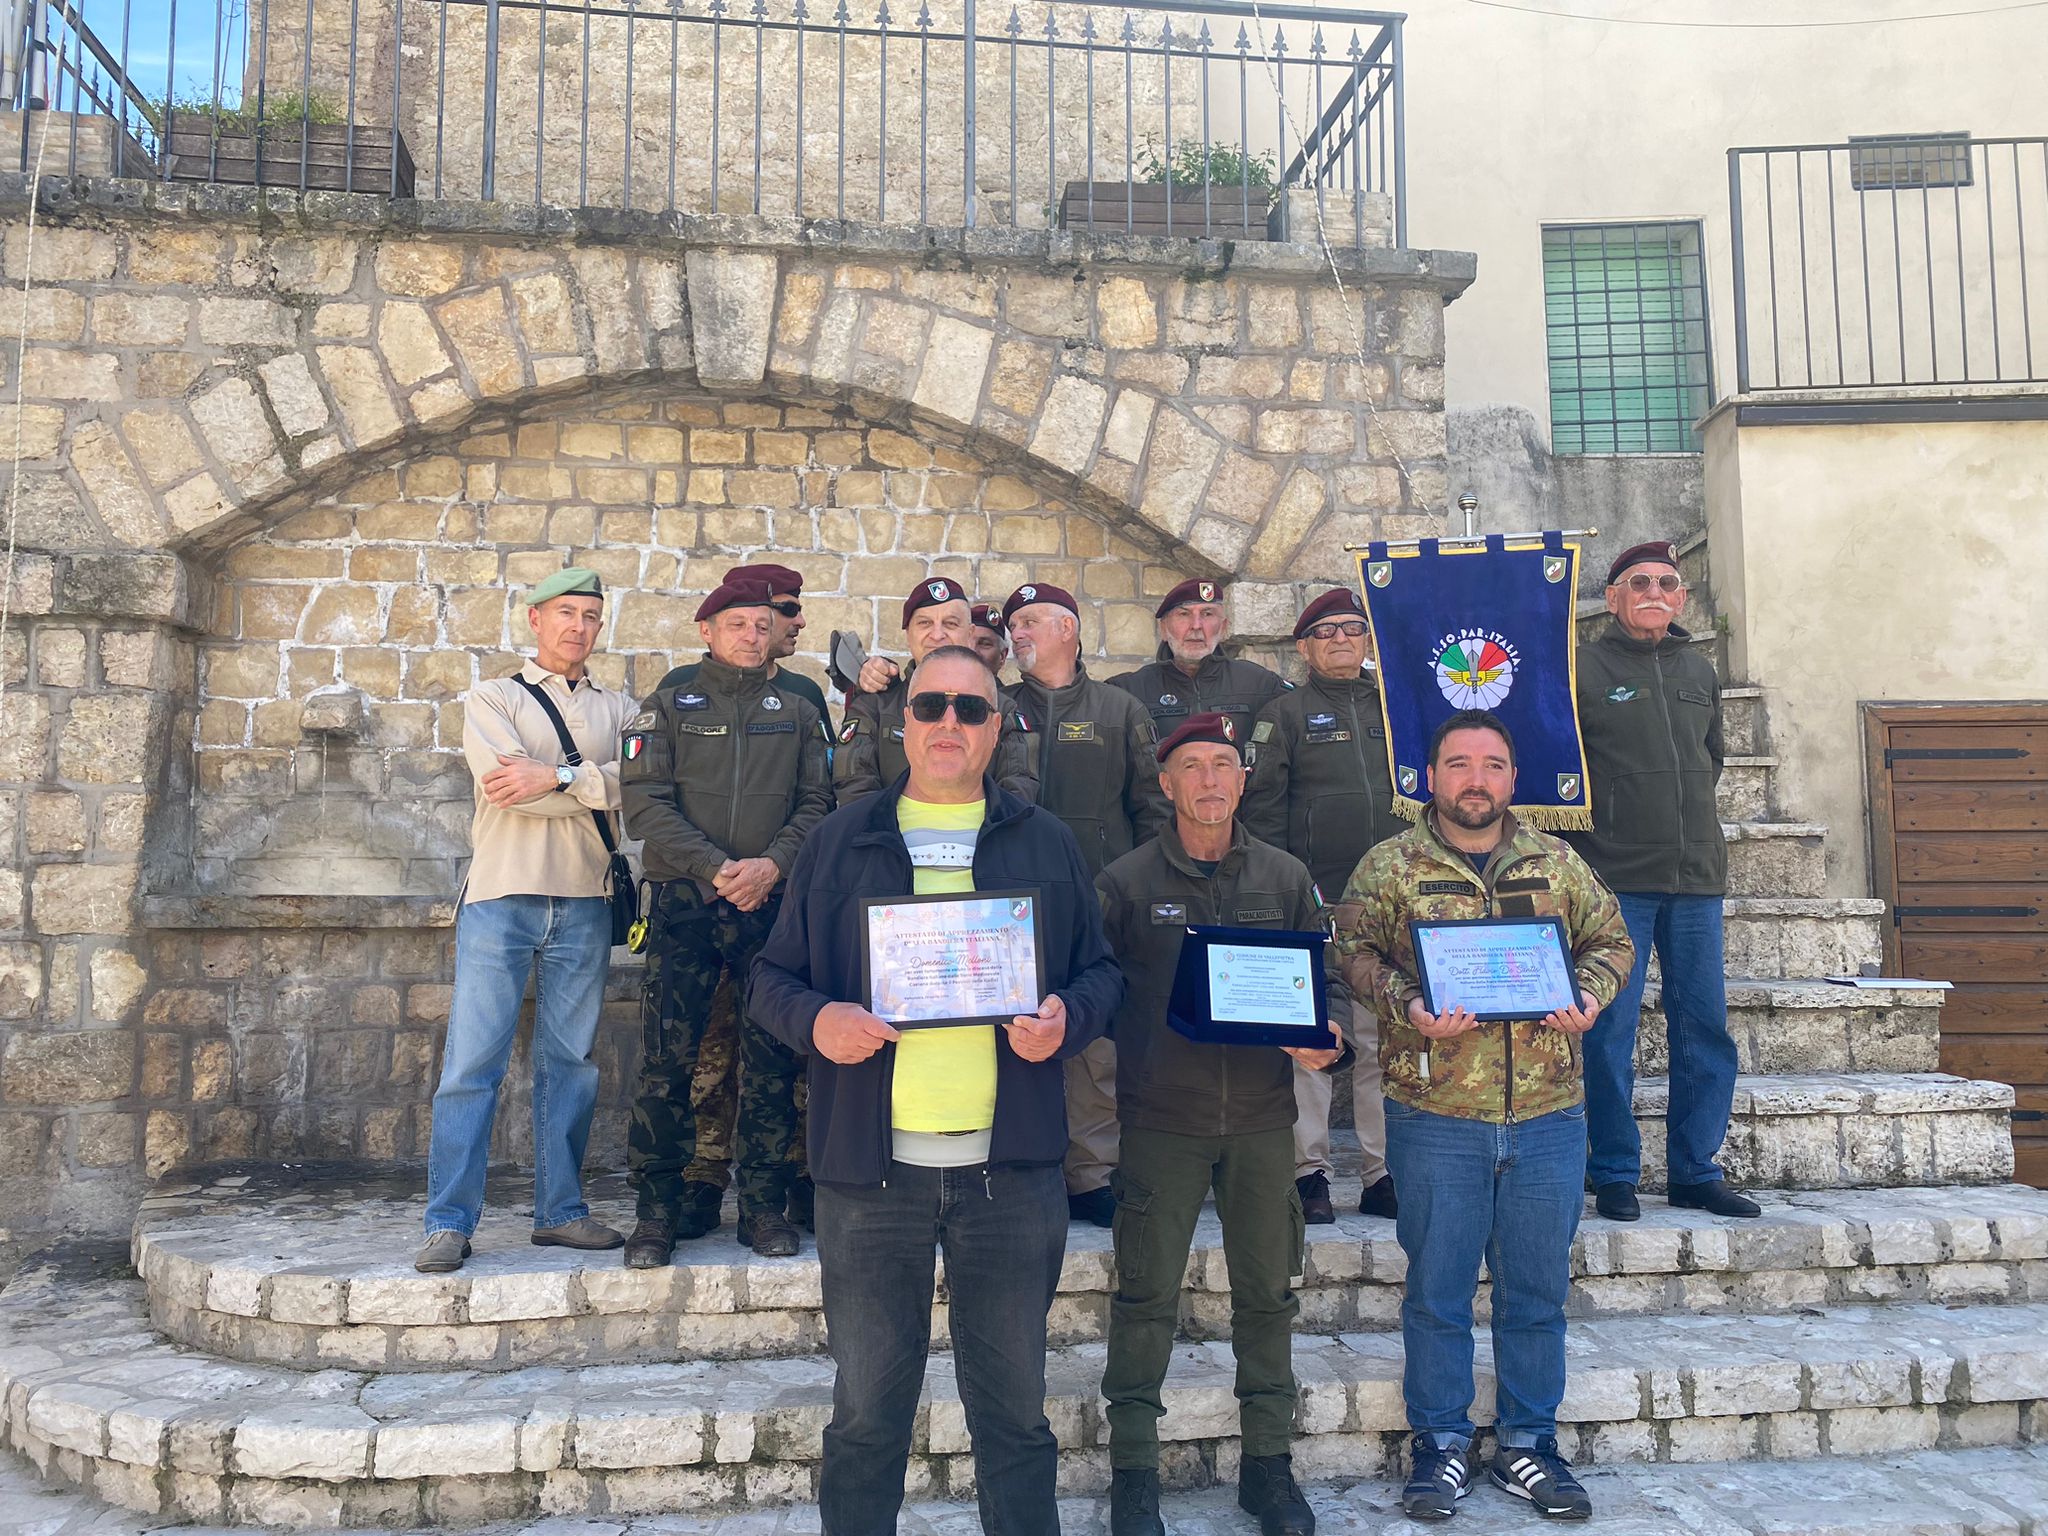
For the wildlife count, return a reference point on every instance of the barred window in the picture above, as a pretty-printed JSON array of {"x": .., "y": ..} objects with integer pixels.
[
  {"x": 1904, "y": 161},
  {"x": 1625, "y": 310}
]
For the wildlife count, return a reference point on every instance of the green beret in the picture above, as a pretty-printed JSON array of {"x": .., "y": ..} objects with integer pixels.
[{"x": 575, "y": 580}]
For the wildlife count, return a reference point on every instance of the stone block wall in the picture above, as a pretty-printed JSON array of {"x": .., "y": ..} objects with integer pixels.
[{"x": 285, "y": 461}]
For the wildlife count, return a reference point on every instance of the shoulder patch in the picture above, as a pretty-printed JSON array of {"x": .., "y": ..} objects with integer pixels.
[
  {"x": 850, "y": 729},
  {"x": 1022, "y": 723},
  {"x": 1286, "y": 686},
  {"x": 1263, "y": 731}
]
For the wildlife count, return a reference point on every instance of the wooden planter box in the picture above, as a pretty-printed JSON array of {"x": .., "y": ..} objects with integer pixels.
[
  {"x": 197, "y": 155},
  {"x": 1140, "y": 208}
]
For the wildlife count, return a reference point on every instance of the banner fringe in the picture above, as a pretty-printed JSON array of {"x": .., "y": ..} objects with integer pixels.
[
  {"x": 1555, "y": 818},
  {"x": 1408, "y": 809}
]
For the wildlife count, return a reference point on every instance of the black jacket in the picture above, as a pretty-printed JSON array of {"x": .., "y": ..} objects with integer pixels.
[
  {"x": 1098, "y": 763},
  {"x": 1651, "y": 717},
  {"x": 1226, "y": 684},
  {"x": 813, "y": 957},
  {"x": 870, "y": 757},
  {"x": 1165, "y": 1081}
]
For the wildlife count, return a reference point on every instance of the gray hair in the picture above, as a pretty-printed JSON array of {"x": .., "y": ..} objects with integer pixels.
[{"x": 955, "y": 653}]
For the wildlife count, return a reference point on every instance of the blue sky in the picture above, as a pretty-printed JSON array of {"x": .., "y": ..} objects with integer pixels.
[{"x": 200, "y": 23}]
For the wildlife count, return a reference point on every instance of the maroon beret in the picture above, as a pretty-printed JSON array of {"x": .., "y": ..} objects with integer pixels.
[
  {"x": 1658, "y": 551},
  {"x": 1209, "y": 726},
  {"x": 989, "y": 616},
  {"x": 930, "y": 593},
  {"x": 1337, "y": 603},
  {"x": 1189, "y": 591},
  {"x": 1031, "y": 593},
  {"x": 734, "y": 594},
  {"x": 782, "y": 581}
]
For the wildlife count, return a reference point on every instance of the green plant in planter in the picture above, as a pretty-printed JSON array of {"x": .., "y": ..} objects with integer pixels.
[
  {"x": 1227, "y": 167},
  {"x": 283, "y": 111}
]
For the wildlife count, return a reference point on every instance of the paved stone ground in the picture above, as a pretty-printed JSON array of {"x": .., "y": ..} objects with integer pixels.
[{"x": 1953, "y": 1493}]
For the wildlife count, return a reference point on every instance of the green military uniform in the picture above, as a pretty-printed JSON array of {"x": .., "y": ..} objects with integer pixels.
[
  {"x": 868, "y": 757},
  {"x": 1320, "y": 786},
  {"x": 1651, "y": 716},
  {"x": 1198, "y": 1116},
  {"x": 1235, "y": 689},
  {"x": 1098, "y": 771},
  {"x": 785, "y": 677},
  {"x": 1502, "y": 1072},
  {"x": 731, "y": 766}
]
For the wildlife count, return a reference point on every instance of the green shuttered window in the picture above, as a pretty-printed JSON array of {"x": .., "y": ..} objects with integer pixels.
[{"x": 1625, "y": 312}]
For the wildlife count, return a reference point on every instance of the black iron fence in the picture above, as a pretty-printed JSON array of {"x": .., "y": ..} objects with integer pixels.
[
  {"x": 1890, "y": 262},
  {"x": 1149, "y": 116}
]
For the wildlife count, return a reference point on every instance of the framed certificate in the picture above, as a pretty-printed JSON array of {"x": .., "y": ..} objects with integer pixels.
[
  {"x": 1251, "y": 986},
  {"x": 1496, "y": 967},
  {"x": 936, "y": 961}
]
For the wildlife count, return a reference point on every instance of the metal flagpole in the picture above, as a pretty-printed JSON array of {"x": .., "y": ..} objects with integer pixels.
[{"x": 1479, "y": 539}]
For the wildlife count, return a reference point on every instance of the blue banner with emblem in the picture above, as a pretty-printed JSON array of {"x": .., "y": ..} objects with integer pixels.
[{"x": 1467, "y": 626}]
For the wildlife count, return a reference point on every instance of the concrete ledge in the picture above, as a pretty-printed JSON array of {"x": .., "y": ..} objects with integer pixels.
[{"x": 226, "y": 913}]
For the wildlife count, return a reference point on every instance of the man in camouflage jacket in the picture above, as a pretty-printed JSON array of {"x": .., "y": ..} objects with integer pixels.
[{"x": 1486, "y": 1122}]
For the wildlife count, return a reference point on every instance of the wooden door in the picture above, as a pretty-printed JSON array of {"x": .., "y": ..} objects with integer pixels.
[{"x": 1959, "y": 834}]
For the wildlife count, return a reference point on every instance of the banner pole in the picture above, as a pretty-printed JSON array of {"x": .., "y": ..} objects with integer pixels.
[{"x": 1479, "y": 539}]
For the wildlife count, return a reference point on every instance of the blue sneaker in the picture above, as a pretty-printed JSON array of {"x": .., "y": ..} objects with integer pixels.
[
  {"x": 1543, "y": 1477},
  {"x": 1439, "y": 1478}
]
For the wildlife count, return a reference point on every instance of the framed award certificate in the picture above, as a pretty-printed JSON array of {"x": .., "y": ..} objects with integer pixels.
[
  {"x": 1251, "y": 986},
  {"x": 1496, "y": 967},
  {"x": 935, "y": 961}
]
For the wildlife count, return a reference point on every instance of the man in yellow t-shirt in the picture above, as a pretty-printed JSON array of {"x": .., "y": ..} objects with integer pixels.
[{"x": 931, "y": 1139}]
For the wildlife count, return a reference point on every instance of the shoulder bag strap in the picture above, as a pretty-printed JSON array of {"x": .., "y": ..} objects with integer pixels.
[{"x": 604, "y": 822}]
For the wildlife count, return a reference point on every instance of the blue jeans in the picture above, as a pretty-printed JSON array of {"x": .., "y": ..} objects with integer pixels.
[
  {"x": 497, "y": 944},
  {"x": 1510, "y": 1194},
  {"x": 1686, "y": 931},
  {"x": 1004, "y": 1231}
]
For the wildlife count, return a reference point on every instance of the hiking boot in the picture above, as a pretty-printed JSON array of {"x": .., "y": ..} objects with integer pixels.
[
  {"x": 583, "y": 1232},
  {"x": 1438, "y": 1479},
  {"x": 1378, "y": 1198},
  {"x": 1617, "y": 1202},
  {"x": 652, "y": 1242},
  {"x": 1316, "y": 1209},
  {"x": 768, "y": 1233},
  {"x": 1717, "y": 1199},
  {"x": 803, "y": 1204},
  {"x": 1537, "y": 1473},
  {"x": 698, "y": 1213},
  {"x": 1097, "y": 1207},
  {"x": 1266, "y": 1488},
  {"x": 1134, "y": 1502},
  {"x": 442, "y": 1252}
]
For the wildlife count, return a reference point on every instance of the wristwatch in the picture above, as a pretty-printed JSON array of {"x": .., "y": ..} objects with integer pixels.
[{"x": 564, "y": 777}]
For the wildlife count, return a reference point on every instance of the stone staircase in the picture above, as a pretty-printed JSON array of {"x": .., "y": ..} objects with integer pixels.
[{"x": 265, "y": 1355}]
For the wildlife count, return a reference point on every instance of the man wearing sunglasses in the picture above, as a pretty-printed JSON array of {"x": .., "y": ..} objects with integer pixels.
[
  {"x": 1191, "y": 674},
  {"x": 869, "y": 756},
  {"x": 722, "y": 781},
  {"x": 938, "y": 1138},
  {"x": 1198, "y": 1116},
  {"x": 1097, "y": 773},
  {"x": 1320, "y": 788},
  {"x": 1650, "y": 713},
  {"x": 715, "y": 1085}
]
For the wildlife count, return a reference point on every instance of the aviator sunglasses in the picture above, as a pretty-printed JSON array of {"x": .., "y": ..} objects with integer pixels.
[
  {"x": 1642, "y": 581},
  {"x": 968, "y": 708}
]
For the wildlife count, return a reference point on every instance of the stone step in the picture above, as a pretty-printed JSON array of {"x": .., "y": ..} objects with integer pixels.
[
  {"x": 1776, "y": 858},
  {"x": 252, "y": 1272},
  {"x": 1742, "y": 719},
  {"x": 1744, "y": 793},
  {"x": 1847, "y": 1130},
  {"x": 93, "y": 1399},
  {"x": 1813, "y": 1026},
  {"x": 1802, "y": 936},
  {"x": 1989, "y": 1491}
]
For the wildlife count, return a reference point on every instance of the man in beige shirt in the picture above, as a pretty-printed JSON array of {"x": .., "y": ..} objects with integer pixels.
[{"x": 536, "y": 894}]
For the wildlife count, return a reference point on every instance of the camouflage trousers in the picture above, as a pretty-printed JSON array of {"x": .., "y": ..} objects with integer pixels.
[
  {"x": 691, "y": 942},
  {"x": 715, "y": 1096}
]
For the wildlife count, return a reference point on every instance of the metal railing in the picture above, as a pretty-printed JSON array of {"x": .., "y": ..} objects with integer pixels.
[
  {"x": 1892, "y": 262},
  {"x": 1148, "y": 115}
]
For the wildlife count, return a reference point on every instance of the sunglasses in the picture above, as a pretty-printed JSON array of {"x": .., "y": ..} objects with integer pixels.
[
  {"x": 1670, "y": 581},
  {"x": 1350, "y": 629},
  {"x": 789, "y": 610},
  {"x": 968, "y": 708}
]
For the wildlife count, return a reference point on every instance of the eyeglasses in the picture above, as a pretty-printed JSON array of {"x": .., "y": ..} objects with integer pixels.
[
  {"x": 968, "y": 708},
  {"x": 1350, "y": 629},
  {"x": 789, "y": 610},
  {"x": 1642, "y": 581}
]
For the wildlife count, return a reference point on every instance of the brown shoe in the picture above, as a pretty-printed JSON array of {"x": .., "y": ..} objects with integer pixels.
[
  {"x": 583, "y": 1232},
  {"x": 768, "y": 1233},
  {"x": 653, "y": 1242}
]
